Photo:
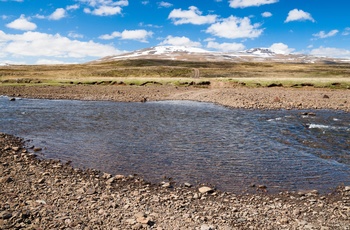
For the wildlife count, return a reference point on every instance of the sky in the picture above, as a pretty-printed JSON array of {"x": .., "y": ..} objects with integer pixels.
[{"x": 78, "y": 31}]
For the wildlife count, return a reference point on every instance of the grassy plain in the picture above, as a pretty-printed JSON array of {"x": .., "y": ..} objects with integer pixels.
[{"x": 148, "y": 71}]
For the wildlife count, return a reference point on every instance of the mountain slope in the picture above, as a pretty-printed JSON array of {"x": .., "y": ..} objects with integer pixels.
[{"x": 183, "y": 53}]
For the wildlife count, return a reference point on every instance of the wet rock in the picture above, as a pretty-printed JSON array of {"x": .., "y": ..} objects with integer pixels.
[{"x": 12, "y": 99}]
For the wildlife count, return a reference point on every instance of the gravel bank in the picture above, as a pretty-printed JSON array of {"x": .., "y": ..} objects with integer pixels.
[
  {"x": 224, "y": 94},
  {"x": 46, "y": 194}
]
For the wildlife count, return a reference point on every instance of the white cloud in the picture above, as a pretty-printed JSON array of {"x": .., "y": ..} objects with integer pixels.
[
  {"x": 58, "y": 14},
  {"x": 42, "y": 45},
  {"x": 104, "y": 7},
  {"x": 298, "y": 15},
  {"x": 51, "y": 62},
  {"x": 225, "y": 47},
  {"x": 248, "y": 3},
  {"x": 145, "y": 2},
  {"x": 234, "y": 27},
  {"x": 180, "y": 41},
  {"x": 72, "y": 7},
  {"x": 165, "y": 4},
  {"x": 280, "y": 48},
  {"x": 191, "y": 16},
  {"x": 266, "y": 14},
  {"x": 138, "y": 35},
  {"x": 323, "y": 34},
  {"x": 22, "y": 23},
  {"x": 75, "y": 35},
  {"x": 104, "y": 10},
  {"x": 346, "y": 31},
  {"x": 331, "y": 52}
]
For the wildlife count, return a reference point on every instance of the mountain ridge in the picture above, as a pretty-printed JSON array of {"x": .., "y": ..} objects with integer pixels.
[{"x": 185, "y": 53}]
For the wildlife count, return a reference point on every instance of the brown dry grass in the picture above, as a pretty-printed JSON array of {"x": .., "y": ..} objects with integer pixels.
[{"x": 334, "y": 75}]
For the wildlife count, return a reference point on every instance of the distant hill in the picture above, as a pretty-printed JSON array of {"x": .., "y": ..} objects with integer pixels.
[{"x": 183, "y": 53}]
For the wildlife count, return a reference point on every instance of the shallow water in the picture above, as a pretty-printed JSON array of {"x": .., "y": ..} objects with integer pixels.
[{"x": 189, "y": 141}]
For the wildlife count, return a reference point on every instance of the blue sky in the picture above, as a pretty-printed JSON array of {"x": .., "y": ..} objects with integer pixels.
[{"x": 77, "y": 31}]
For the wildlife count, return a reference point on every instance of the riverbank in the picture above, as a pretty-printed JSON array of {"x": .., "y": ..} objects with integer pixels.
[
  {"x": 46, "y": 194},
  {"x": 225, "y": 94}
]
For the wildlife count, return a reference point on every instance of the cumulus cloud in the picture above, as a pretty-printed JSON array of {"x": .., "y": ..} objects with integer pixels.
[
  {"x": 180, "y": 41},
  {"x": 138, "y": 35},
  {"x": 165, "y": 4},
  {"x": 104, "y": 7},
  {"x": 331, "y": 52},
  {"x": 225, "y": 47},
  {"x": 190, "y": 16},
  {"x": 22, "y": 23},
  {"x": 266, "y": 14},
  {"x": 58, "y": 14},
  {"x": 323, "y": 34},
  {"x": 248, "y": 3},
  {"x": 104, "y": 10},
  {"x": 298, "y": 15},
  {"x": 36, "y": 44},
  {"x": 234, "y": 27},
  {"x": 280, "y": 48}
]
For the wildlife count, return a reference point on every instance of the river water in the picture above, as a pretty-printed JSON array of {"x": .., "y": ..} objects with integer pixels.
[{"x": 193, "y": 142}]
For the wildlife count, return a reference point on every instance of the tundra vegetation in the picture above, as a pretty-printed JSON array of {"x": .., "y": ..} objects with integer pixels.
[{"x": 151, "y": 71}]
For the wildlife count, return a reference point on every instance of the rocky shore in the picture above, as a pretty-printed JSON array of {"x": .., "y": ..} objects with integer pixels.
[
  {"x": 221, "y": 93},
  {"x": 47, "y": 194}
]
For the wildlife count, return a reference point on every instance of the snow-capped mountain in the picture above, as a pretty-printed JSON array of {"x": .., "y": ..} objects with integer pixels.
[{"x": 183, "y": 53}]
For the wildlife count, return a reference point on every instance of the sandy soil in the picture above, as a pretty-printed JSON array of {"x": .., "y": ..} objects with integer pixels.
[{"x": 233, "y": 96}]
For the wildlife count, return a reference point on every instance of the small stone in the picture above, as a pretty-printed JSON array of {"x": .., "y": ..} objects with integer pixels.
[
  {"x": 41, "y": 181},
  {"x": 205, "y": 189},
  {"x": 106, "y": 176},
  {"x": 110, "y": 180},
  {"x": 119, "y": 177},
  {"x": 347, "y": 188},
  {"x": 40, "y": 201},
  {"x": 6, "y": 179},
  {"x": 207, "y": 227},
  {"x": 326, "y": 96},
  {"x": 188, "y": 185},
  {"x": 6, "y": 215},
  {"x": 90, "y": 191},
  {"x": 262, "y": 187},
  {"x": 15, "y": 148},
  {"x": 37, "y": 149},
  {"x": 143, "y": 220},
  {"x": 130, "y": 221},
  {"x": 166, "y": 185}
]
